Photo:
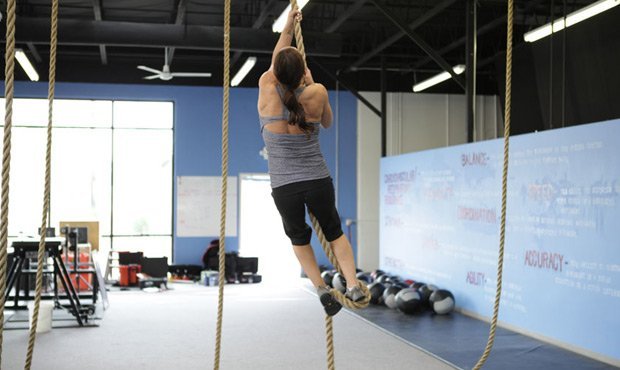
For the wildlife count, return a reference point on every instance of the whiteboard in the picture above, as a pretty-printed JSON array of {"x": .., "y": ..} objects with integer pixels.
[{"x": 198, "y": 206}]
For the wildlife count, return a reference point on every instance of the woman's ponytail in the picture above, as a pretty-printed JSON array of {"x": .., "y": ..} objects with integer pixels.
[
  {"x": 297, "y": 115},
  {"x": 289, "y": 68}
]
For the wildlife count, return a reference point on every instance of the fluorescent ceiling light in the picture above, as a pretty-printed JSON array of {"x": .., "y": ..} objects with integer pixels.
[
  {"x": 278, "y": 25},
  {"x": 26, "y": 65},
  {"x": 458, "y": 69},
  {"x": 245, "y": 69},
  {"x": 571, "y": 19}
]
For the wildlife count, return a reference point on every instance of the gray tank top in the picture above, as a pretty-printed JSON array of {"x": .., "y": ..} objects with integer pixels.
[{"x": 292, "y": 157}]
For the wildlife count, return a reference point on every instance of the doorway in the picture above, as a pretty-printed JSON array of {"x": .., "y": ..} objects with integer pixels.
[{"x": 261, "y": 234}]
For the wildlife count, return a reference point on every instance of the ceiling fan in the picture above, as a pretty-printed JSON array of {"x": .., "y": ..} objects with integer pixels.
[{"x": 165, "y": 73}]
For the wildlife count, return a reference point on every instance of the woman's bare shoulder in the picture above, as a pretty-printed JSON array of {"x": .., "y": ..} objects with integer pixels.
[
  {"x": 267, "y": 78},
  {"x": 316, "y": 89}
]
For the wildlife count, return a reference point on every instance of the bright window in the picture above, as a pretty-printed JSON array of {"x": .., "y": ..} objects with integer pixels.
[
  {"x": 140, "y": 114},
  {"x": 111, "y": 162},
  {"x": 142, "y": 182}
]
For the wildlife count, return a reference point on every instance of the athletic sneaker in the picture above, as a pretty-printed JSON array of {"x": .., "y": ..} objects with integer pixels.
[
  {"x": 355, "y": 294},
  {"x": 330, "y": 304}
]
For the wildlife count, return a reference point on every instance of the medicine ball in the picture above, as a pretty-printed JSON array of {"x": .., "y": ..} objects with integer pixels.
[
  {"x": 327, "y": 276},
  {"x": 376, "y": 292},
  {"x": 383, "y": 279},
  {"x": 364, "y": 276},
  {"x": 339, "y": 283},
  {"x": 425, "y": 293},
  {"x": 416, "y": 285},
  {"x": 376, "y": 273},
  {"x": 442, "y": 301},
  {"x": 389, "y": 296},
  {"x": 408, "y": 301},
  {"x": 401, "y": 285},
  {"x": 395, "y": 279}
]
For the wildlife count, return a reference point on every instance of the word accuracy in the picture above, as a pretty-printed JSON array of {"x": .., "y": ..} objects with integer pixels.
[{"x": 544, "y": 260}]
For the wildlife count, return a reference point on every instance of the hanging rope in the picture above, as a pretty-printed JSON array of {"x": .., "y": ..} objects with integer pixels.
[
  {"x": 502, "y": 235},
  {"x": 47, "y": 191},
  {"x": 329, "y": 329},
  {"x": 299, "y": 40},
  {"x": 222, "y": 249},
  {"x": 9, "y": 77}
]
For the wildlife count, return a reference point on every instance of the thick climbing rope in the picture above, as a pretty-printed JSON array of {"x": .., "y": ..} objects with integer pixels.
[
  {"x": 502, "y": 235},
  {"x": 47, "y": 191},
  {"x": 329, "y": 329},
  {"x": 6, "y": 154},
  {"x": 9, "y": 93},
  {"x": 222, "y": 249}
]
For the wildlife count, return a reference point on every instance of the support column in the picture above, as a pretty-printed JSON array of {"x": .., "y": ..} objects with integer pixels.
[
  {"x": 471, "y": 68},
  {"x": 383, "y": 109}
]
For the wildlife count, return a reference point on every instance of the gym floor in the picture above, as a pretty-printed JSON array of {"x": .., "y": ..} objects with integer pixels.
[
  {"x": 264, "y": 328},
  {"x": 272, "y": 327}
]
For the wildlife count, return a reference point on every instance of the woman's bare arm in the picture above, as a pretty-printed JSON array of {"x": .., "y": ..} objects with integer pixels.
[
  {"x": 286, "y": 37},
  {"x": 327, "y": 117}
]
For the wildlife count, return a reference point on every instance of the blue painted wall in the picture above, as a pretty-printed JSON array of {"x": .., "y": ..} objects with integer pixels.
[{"x": 197, "y": 140}]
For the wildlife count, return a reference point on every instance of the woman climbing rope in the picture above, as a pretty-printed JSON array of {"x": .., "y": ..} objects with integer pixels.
[{"x": 292, "y": 108}]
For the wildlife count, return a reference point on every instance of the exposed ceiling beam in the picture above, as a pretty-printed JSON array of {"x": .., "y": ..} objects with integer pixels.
[
  {"x": 180, "y": 19},
  {"x": 262, "y": 17},
  {"x": 130, "y": 34},
  {"x": 34, "y": 52},
  {"x": 342, "y": 83},
  {"x": 345, "y": 15},
  {"x": 97, "y": 9},
  {"x": 258, "y": 23},
  {"x": 481, "y": 31},
  {"x": 104, "y": 55},
  {"x": 397, "y": 36},
  {"x": 419, "y": 41},
  {"x": 98, "y": 17},
  {"x": 181, "y": 10}
]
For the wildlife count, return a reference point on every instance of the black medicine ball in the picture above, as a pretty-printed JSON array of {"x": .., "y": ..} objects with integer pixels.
[
  {"x": 383, "y": 279},
  {"x": 376, "y": 292},
  {"x": 339, "y": 283},
  {"x": 327, "y": 276},
  {"x": 442, "y": 302},
  {"x": 401, "y": 285},
  {"x": 395, "y": 278},
  {"x": 389, "y": 296},
  {"x": 417, "y": 285},
  {"x": 376, "y": 273},
  {"x": 425, "y": 293},
  {"x": 364, "y": 276},
  {"x": 408, "y": 301}
]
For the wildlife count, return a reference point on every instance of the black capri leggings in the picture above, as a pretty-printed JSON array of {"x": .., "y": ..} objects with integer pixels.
[{"x": 318, "y": 195}]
